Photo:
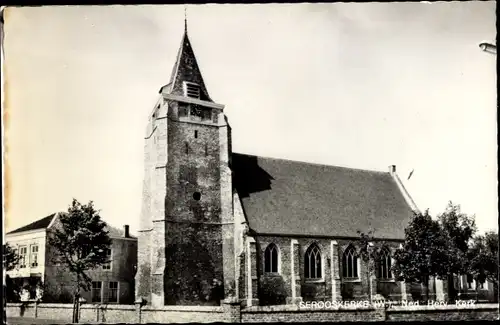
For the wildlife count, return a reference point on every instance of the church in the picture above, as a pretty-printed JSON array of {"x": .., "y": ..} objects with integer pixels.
[{"x": 216, "y": 225}]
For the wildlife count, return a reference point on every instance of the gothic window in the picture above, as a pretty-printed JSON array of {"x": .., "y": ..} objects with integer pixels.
[
  {"x": 350, "y": 263},
  {"x": 312, "y": 262},
  {"x": 384, "y": 264},
  {"x": 191, "y": 90},
  {"x": 271, "y": 259}
]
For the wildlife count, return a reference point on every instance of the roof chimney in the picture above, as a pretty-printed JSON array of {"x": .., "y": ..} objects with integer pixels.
[
  {"x": 126, "y": 230},
  {"x": 392, "y": 169}
]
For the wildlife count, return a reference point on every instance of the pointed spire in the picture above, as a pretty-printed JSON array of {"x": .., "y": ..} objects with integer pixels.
[{"x": 186, "y": 68}]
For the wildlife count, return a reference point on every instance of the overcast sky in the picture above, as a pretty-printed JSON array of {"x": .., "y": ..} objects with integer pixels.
[{"x": 360, "y": 85}]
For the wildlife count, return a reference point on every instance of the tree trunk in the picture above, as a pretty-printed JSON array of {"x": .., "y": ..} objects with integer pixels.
[
  {"x": 75, "y": 301},
  {"x": 426, "y": 289},
  {"x": 495, "y": 291},
  {"x": 477, "y": 289},
  {"x": 370, "y": 289},
  {"x": 76, "y": 306},
  {"x": 452, "y": 292}
]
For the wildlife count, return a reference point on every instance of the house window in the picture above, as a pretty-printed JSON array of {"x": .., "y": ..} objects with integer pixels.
[
  {"x": 271, "y": 259},
  {"x": 187, "y": 148},
  {"x": 96, "y": 292},
  {"x": 191, "y": 90},
  {"x": 113, "y": 292},
  {"x": 196, "y": 134},
  {"x": 34, "y": 256},
  {"x": 312, "y": 262},
  {"x": 109, "y": 257},
  {"x": 16, "y": 256},
  {"x": 23, "y": 252},
  {"x": 384, "y": 266},
  {"x": 350, "y": 263}
]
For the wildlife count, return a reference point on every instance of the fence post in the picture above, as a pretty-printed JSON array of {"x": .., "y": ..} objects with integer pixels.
[
  {"x": 36, "y": 308},
  {"x": 80, "y": 302},
  {"x": 138, "y": 304},
  {"x": 98, "y": 307},
  {"x": 232, "y": 310}
]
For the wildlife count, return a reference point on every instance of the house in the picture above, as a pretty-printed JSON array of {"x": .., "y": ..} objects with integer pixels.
[{"x": 37, "y": 266}]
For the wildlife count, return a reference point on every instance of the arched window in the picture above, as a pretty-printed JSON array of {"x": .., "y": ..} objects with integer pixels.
[
  {"x": 384, "y": 264},
  {"x": 312, "y": 262},
  {"x": 350, "y": 263},
  {"x": 271, "y": 259}
]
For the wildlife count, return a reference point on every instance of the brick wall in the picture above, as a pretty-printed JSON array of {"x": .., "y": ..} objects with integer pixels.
[
  {"x": 90, "y": 313},
  {"x": 295, "y": 314},
  {"x": 320, "y": 289},
  {"x": 231, "y": 312},
  {"x": 348, "y": 314},
  {"x": 450, "y": 312}
]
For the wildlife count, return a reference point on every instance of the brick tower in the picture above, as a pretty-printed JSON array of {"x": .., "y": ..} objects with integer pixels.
[{"x": 186, "y": 235}]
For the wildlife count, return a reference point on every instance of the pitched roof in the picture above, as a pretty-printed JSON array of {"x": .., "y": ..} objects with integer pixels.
[
  {"x": 296, "y": 198},
  {"x": 112, "y": 231},
  {"x": 186, "y": 69},
  {"x": 39, "y": 224},
  {"x": 116, "y": 232},
  {"x": 45, "y": 222}
]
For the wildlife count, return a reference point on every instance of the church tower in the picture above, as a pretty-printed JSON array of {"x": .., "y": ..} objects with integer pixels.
[{"x": 186, "y": 236}]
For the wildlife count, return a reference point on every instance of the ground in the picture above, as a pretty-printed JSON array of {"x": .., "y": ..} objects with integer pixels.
[{"x": 29, "y": 320}]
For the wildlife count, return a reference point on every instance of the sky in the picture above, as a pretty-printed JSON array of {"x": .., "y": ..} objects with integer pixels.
[{"x": 362, "y": 85}]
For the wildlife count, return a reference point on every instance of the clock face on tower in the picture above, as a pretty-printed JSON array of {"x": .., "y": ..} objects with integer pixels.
[{"x": 196, "y": 111}]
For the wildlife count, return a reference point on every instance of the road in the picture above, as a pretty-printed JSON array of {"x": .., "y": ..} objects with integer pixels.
[{"x": 29, "y": 320}]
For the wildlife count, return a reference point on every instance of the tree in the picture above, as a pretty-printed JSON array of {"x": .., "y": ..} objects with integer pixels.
[
  {"x": 459, "y": 229},
  {"x": 425, "y": 252},
  {"x": 483, "y": 259},
  {"x": 81, "y": 242},
  {"x": 10, "y": 257},
  {"x": 368, "y": 254},
  {"x": 10, "y": 260}
]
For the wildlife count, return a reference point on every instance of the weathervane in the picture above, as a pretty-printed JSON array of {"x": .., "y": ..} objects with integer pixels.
[{"x": 185, "y": 19}]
